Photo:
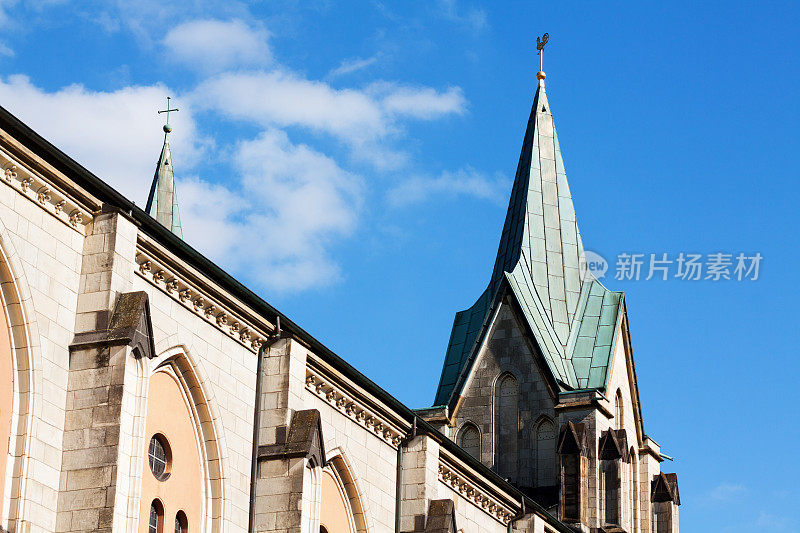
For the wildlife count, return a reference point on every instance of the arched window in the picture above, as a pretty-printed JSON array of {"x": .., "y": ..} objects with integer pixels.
[
  {"x": 340, "y": 506},
  {"x": 6, "y": 396},
  {"x": 335, "y": 514},
  {"x": 470, "y": 440},
  {"x": 571, "y": 491},
  {"x": 662, "y": 517},
  {"x": 619, "y": 412},
  {"x": 155, "y": 524},
  {"x": 634, "y": 490},
  {"x": 610, "y": 484},
  {"x": 545, "y": 453},
  {"x": 181, "y": 522},
  {"x": 173, "y": 471},
  {"x": 506, "y": 418}
]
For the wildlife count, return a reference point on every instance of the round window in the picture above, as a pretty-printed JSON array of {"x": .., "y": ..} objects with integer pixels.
[{"x": 159, "y": 456}]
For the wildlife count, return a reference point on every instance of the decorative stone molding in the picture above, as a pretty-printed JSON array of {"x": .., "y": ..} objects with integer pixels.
[
  {"x": 449, "y": 475},
  {"x": 197, "y": 300},
  {"x": 353, "y": 409},
  {"x": 42, "y": 192}
]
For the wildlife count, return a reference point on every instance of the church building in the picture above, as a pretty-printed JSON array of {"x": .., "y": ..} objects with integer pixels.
[{"x": 144, "y": 389}]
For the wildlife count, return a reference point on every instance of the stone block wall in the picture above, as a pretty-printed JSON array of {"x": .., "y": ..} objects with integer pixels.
[
  {"x": 507, "y": 352},
  {"x": 41, "y": 254}
]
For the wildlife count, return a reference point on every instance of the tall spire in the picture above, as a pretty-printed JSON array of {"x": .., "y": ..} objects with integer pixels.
[
  {"x": 538, "y": 260},
  {"x": 162, "y": 202}
]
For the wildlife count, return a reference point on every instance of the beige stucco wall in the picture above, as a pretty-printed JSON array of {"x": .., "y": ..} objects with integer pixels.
[{"x": 335, "y": 515}]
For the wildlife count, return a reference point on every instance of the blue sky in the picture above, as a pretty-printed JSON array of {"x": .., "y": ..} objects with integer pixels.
[{"x": 351, "y": 162}]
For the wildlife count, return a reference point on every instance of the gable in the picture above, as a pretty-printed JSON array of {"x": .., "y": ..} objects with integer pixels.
[{"x": 506, "y": 348}]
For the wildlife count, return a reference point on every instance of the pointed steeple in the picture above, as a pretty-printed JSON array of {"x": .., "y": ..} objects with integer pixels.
[
  {"x": 162, "y": 202},
  {"x": 570, "y": 315},
  {"x": 540, "y": 232}
]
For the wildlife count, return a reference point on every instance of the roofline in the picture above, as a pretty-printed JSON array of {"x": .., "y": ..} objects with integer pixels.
[{"x": 108, "y": 195}]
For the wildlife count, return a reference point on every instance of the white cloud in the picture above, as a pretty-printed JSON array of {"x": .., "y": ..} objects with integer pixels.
[
  {"x": 473, "y": 18},
  {"x": 463, "y": 182},
  {"x": 281, "y": 98},
  {"x": 215, "y": 45},
  {"x": 363, "y": 119},
  {"x": 351, "y": 65},
  {"x": 117, "y": 135},
  {"x": 724, "y": 492},
  {"x": 292, "y": 203},
  {"x": 773, "y": 522},
  {"x": 287, "y": 204},
  {"x": 424, "y": 102},
  {"x": 5, "y": 5},
  {"x": 276, "y": 220}
]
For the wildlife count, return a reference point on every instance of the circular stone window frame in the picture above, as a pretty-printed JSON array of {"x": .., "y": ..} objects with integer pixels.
[{"x": 164, "y": 441}]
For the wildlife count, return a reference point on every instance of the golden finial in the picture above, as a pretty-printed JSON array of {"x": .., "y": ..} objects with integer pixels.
[{"x": 540, "y": 42}]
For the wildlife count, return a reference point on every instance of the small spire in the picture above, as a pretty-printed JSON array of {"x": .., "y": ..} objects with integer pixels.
[
  {"x": 540, "y": 42},
  {"x": 162, "y": 202}
]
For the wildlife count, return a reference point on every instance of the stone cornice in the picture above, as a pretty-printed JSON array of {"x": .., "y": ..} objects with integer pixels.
[
  {"x": 589, "y": 403},
  {"x": 474, "y": 489},
  {"x": 201, "y": 297},
  {"x": 354, "y": 404},
  {"x": 51, "y": 198}
]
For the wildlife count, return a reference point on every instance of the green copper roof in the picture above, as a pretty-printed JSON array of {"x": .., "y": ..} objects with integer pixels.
[
  {"x": 162, "y": 202},
  {"x": 538, "y": 256}
]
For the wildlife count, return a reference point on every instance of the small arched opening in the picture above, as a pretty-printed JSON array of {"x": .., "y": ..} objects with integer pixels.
[
  {"x": 469, "y": 439},
  {"x": 506, "y": 421}
]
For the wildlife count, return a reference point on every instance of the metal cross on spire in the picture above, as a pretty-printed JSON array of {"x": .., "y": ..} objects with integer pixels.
[
  {"x": 540, "y": 42},
  {"x": 167, "y": 127}
]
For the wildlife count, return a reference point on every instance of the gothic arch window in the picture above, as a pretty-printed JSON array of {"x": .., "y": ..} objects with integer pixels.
[
  {"x": 17, "y": 360},
  {"x": 619, "y": 412},
  {"x": 545, "y": 439},
  {"x": 506, "y": 422},
  {"x": 571, "y": 472},
  {"x": 662, "y": 517},
  {"x": 610, "y": 483},
  {"x": 634, "y": 490},
  {"x": 173, "y": 472},
  {"x": 341, "y": 509},
  {"x": 6, "y": 400},
  {"x": 469, "y": 438}
]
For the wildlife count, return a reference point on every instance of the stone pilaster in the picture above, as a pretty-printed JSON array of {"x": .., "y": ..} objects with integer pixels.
[
  {"x": 88, "y": 485},
  {"x": 420, "y": 480},
  {"x": 289, "y": 444}
]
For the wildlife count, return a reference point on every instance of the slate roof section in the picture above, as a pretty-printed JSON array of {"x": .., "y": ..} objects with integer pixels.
[
  {"x": 539, "y": 256},
  {"x": 162, "y": 202}
]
